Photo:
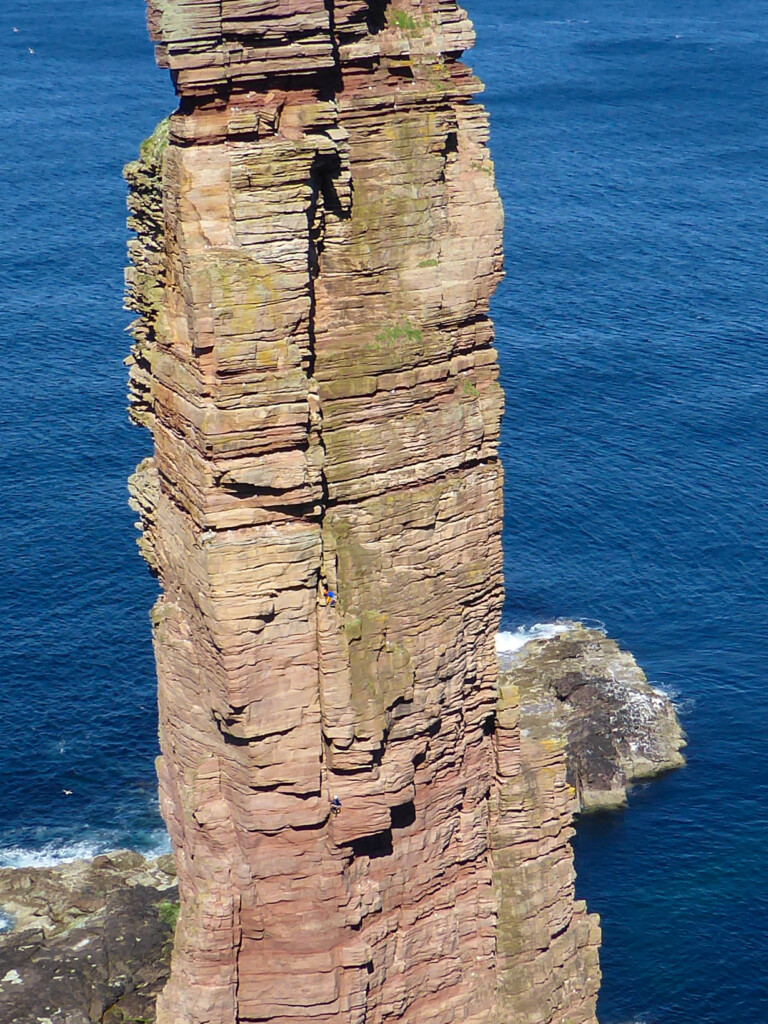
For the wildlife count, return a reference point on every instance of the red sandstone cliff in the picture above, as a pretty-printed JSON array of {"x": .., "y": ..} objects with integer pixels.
[{"x": 318, "y": 238}]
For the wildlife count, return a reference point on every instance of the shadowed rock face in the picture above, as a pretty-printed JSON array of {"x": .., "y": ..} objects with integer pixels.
[
  {"x": 580, "y": 689},
  {"x": 318, "y": 238}
]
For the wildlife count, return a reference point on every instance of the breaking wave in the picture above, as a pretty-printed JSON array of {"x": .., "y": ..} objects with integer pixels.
[
  {"x": 51, "y": 854},
  {"x": 682, "y": 705},
  {"x": 508, "y": 643}
]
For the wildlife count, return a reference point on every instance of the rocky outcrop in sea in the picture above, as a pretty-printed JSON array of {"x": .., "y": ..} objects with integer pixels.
[
  {"x": 579, "y": 688},
  {"x": 318, "y": 238}
]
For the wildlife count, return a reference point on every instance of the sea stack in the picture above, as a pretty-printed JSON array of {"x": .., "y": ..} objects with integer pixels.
[{"x": 359, "y": 835}]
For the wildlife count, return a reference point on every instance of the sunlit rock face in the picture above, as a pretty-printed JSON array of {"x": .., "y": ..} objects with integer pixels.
[{"x": 318, "y": 236}]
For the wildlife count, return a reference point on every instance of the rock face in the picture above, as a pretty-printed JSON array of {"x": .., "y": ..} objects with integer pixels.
[
  {"x": 317, "y": 239},
  {"x": 578, "y": 688},
  {"x": 91, "y": 943},
  {"x": 547, "y": 944}
]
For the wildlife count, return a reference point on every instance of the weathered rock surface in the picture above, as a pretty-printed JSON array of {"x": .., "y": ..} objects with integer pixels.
[
  {"x": 547, "y": 943},
  {"x": 318, "y": 237},
  {"x": 91, "y": 943},
  {"x": 579, "y": 688}
]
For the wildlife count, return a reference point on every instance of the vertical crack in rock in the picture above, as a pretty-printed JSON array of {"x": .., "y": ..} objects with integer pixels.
[{"x": 318, "y": 236}]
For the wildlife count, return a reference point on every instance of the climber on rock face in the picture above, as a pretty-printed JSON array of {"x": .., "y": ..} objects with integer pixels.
[
  {"x": 335, "y": 805},
  {"x": 330, "y": 598}
]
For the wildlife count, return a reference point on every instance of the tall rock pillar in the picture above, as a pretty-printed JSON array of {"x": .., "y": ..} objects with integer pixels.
[{"x": 318, "y": 238}]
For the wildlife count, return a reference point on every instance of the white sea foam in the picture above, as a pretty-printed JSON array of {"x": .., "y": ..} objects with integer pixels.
[
  {"x": 682, "y": 705},
  {"x": 670, "y": 692},
  {"x": 587, "y": 623},
  {"x": 160, "y": 845},
  {"x": 508, "y": 643},
  {"x": 50, "y": 854}
]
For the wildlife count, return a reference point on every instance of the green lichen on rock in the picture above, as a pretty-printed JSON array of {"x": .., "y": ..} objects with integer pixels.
[
  {"x": 180, "y": 22},
  {"x": 152, "y": 149},
  {"x": 168, "y": 912},
  {"x": 145, "y": 277},
  {"x": 407, "y": 24},
  {"x": 402, "y": 20},
  {"x": 145, "y": 206},
  {"x": 400, "y": 332},
  {"x": 380, "y": 670}
]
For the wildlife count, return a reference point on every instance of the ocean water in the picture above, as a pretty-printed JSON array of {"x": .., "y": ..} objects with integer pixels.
[
  {"x": 630, "y": 142},
  {"x": 77, "y": 714}
]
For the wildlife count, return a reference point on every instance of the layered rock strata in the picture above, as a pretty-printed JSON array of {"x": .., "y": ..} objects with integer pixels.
[
  {"x": 580, "y": 690},
  {"x": 547, "y": 944},
  {"x": 317, "y": 238}
]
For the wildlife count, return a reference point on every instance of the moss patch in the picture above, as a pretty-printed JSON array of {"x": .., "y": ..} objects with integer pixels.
[{"x": 168, "y": 912}]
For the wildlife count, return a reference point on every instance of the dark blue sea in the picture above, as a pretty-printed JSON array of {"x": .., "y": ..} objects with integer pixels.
[{"x": 631, "y": 145}]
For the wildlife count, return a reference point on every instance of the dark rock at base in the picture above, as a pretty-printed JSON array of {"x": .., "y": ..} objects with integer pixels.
[
  {"x": 92, "y": 941},
  {"x": 579, "y": 687}
]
